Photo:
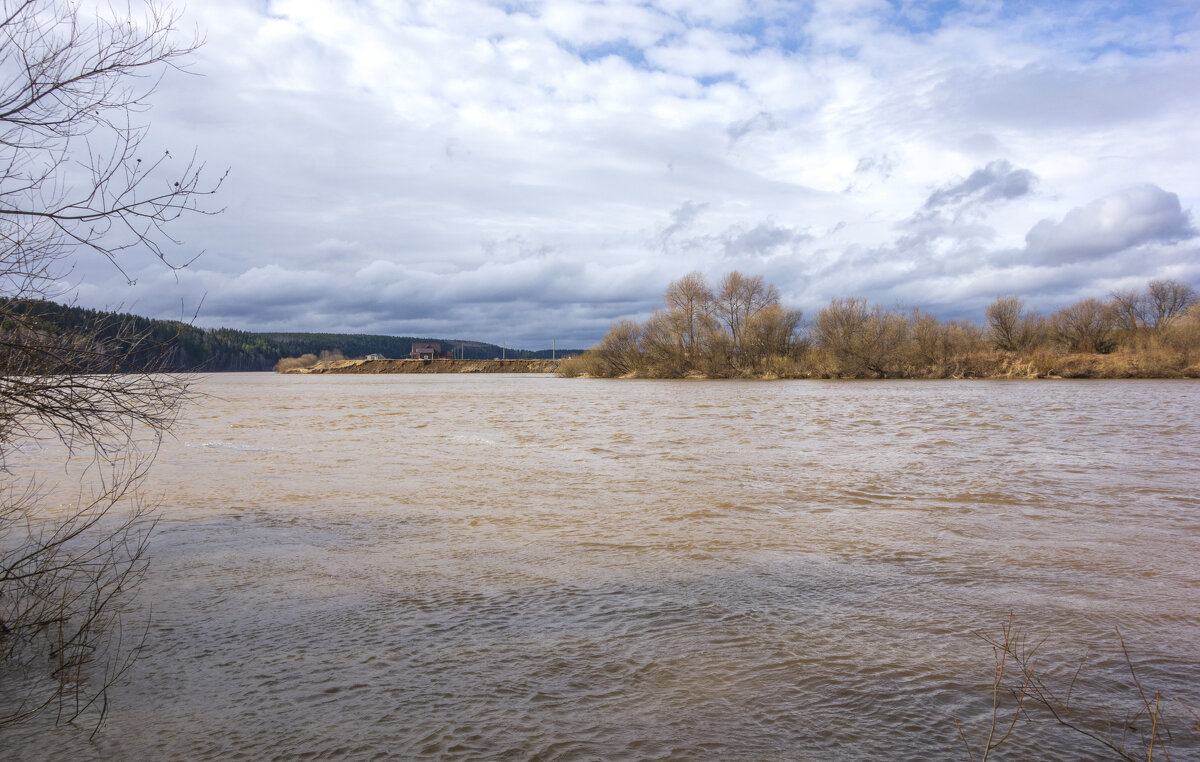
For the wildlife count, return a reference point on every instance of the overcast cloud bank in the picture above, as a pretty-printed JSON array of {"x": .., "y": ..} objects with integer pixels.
[{"x": 532, "y": 171}]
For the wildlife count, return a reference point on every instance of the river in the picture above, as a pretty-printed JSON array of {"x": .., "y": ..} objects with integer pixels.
[{"x": 528, "y": 567}]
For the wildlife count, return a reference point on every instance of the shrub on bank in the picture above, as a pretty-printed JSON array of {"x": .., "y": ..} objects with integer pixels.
[{"x": 740, "y": 330}]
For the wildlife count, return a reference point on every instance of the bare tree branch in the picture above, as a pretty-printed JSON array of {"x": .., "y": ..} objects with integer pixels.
[
  {"x": 1032, "y": 692},
  {"x": 74, "y": 80}
]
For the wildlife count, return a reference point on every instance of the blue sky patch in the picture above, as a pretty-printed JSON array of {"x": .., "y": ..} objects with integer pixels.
[{"x": 620, "y": 48}]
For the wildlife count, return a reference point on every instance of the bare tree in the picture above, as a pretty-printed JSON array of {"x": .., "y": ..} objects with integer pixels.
[
  {"x": 73, "y": 182},
  {"x": 771, "y": 332},
  {"x": 689, "y": 310},
  {"x": 865, "y": 341},
  {"x": 1129, "y": 308},
  {"x": 740, "y": 297},
  {"x": 664, "y": 346},
  {"x": 937, "y": 344},
  {"x": 1010, "y": 327},
  {"x": 1086, "y": 326},
  {"x": 1166, "y": 300},
  {"x": 1162, "y": 302},
  {"x": 619, "y": 352},
  {"x": 693, "y": 335}
]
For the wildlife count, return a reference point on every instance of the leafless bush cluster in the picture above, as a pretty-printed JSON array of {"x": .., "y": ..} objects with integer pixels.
[
  {"x": 735, "y": 329},
  {"x": 741, "y": 329},
  {"x": 73, "y": 181}
]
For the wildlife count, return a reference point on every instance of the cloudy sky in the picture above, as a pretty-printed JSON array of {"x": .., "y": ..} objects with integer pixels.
[{"x": 525, "y": 171}]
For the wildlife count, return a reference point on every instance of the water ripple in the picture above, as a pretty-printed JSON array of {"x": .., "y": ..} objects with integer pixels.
[{"x": 569, "y": 570}]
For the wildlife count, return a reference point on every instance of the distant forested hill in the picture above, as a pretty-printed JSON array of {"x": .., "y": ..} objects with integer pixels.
[{"x": 176, "y": 346}]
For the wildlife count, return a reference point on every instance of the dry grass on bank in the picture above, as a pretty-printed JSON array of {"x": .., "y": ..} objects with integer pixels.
[
  {"x": 982, "y": 364},
  {"x": 308, "y": 361},
  {"x": 409, "y": 366}
]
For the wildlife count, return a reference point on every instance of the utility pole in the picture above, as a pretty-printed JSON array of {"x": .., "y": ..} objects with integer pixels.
[{"x": 553, "y": 348}]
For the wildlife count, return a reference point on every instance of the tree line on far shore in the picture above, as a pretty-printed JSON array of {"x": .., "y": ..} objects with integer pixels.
[
  {"x": 112, "y": 342},
  {"x": 739, "y": 329}
]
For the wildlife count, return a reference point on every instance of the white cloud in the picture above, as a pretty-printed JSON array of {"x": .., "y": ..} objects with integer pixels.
[
  {"x": 1130, "y": 218},
  {"x": 486, "y": 169}
]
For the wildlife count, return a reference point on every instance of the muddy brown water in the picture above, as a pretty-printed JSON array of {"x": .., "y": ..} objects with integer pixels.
[{"x": 527, "y": 567}]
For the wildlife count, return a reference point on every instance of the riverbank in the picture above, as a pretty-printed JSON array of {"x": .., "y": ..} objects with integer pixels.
[
  {"x": 982, "y": 365},
  {"x": 430, "y": 366}
]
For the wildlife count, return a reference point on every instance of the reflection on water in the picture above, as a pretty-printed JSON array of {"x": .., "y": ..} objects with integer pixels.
[{"x": 535, "y": 568}]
